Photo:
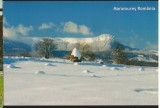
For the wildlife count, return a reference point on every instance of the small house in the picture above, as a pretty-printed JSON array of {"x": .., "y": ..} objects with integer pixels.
[{"x": 75, "y": 55}]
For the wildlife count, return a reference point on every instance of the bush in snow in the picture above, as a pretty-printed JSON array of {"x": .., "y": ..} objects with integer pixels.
[
  {"x": 141, "y": 69},
  {"x": 114, "y": 68},
  {"x": 76, "y": 63},
  {"x": 86, "y": 71},
  {"x": 125, "y": 67},
  {"x": 93, "y": 75},
  {"x": 100, "y": 61},
  {"x": 11, "y": 66},
  {"x": 39, "y": 72},
  {"x": 54, "y": 60},
  {"x": 49, "y": 64},
  {"x": 42, "y": 59},
  {"x": 104, "y": 66}
]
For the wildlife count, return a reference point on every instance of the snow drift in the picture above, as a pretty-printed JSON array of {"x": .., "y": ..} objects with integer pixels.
[{"x": 64, "y": 82}]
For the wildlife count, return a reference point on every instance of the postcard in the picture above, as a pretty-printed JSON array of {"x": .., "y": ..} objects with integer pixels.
[{"x": 80, "y": 53}]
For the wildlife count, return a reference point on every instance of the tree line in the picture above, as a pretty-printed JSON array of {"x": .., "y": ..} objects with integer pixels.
[
  {"x": 47, "y": 46},
  {"x": 118, "y": 55}
]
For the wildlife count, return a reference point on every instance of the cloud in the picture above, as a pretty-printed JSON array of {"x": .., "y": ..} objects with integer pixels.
[
  {"x": 44, "y": 26},
  {"x": 22, "y": 30},
  {"x": 84, "y": 30},
  {"x": 151, "y": 46},
  {"x": 14, "y": 32},
  {"x": 9, "y": 32},
  {"x": 71, "y": 27},
  {"x": 18, "y": 33}
]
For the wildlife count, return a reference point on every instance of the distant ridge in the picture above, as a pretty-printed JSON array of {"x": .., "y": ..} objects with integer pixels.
[{"x": 103, "y": 42}]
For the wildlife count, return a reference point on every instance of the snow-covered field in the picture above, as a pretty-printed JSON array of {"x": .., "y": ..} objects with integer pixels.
[{"x": 30, "y": 81}]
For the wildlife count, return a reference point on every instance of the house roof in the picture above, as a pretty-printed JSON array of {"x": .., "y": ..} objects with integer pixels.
[{"x": 76, "y": 53}]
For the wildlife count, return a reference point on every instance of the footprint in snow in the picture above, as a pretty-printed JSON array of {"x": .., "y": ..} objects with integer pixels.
[
  {"x": 95, "y": 76},
  {"x": 49, "y": 64},
  {"x": 39, "y": 72}
]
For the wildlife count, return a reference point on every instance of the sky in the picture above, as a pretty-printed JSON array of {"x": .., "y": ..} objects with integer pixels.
[{"x": 137, "y": 29}]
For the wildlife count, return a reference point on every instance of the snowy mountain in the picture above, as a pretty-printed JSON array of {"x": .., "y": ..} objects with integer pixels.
[
  {"x": 100, "y": 45},
  {"x": 14, "y": 47}
]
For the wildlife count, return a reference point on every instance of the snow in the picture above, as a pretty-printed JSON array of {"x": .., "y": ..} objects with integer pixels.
[
  {"x": 86, "y": 71},
  {"x": 65, "y": 84},
  {"x": 106, "y": 37},
  {"x": 76, "y": 53},
  {"x": 142, "y": 58},
  {"x": 76, "y": 63},
  {"x": 49, "y": 64},
  {"x": 125, "y": 67},
  {"x": 104, "y": 66},
  {"x": 11, "y": 66},
  {"x": 157, "y": 70},
  {"x": 114, "y": 68},
  {"x": 93, "y": 75},
  {"x": 102, "y": 37},
  {"x": 89, "y": 40},
  {"x": 141, "y": 69},
  {"x": 39, "y": 72}
]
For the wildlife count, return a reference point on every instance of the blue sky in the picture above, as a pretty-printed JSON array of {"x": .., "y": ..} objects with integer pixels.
[{"x": 83, "y": 19}]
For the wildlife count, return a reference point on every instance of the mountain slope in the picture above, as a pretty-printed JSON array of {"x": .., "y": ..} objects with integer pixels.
[
  {"x": 14, "y": 47},
  {"x": 100, "y": 43}
]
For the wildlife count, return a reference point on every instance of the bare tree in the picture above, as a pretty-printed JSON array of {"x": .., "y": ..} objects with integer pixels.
[
  {"x": 84, "y": 48},
  {"x": 45, "y": 47},
  {"x": 87, "y": 53},
  {"x": 118, "y": 54}
]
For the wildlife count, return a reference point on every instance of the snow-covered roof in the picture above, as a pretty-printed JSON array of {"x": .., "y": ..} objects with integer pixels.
[{"x": 76, "y": 53}]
